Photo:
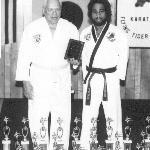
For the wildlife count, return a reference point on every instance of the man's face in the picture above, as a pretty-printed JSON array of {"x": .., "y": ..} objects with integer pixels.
[
  {"x": 98, "y": 14},
  {"x": 52, "y": 12}
]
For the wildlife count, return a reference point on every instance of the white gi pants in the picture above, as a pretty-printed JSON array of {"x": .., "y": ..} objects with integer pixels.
[
  {"x": 112, "y": 107},
  {"x": 52, "y": 94}
]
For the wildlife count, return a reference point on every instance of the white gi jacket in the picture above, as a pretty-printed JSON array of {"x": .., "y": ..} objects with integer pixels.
[
  {"x": 41, "y": 61},
  {"x": 113, "y": 51}
]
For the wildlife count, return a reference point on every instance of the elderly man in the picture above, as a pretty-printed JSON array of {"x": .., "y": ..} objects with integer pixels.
[{"x": 46, "y": 74}]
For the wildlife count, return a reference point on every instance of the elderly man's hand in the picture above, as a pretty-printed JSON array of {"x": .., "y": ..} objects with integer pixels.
[
  {"x": 73, "y": 61},
  {"x": 27, "y": 89}
]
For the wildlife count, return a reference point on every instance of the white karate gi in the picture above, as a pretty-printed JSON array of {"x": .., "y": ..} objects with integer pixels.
[
  {"x": 113, "y": 51},
  {"x": 49, "y": 74}
]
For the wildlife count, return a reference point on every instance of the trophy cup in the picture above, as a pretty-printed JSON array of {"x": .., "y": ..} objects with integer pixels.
[
  {"x": 43, "y": 131},
  {"x": 18, "y": 145},
  {"x": 6, "y": 130},
  {"x": 147, "y": 140},
  {"x": 75, "y": 135},
  {"x": 127, "y": 130},
  {"x": 93, "y": 134},
  {"x": 109, "y": 129},
  {"x": 60, "y": 134},
  {"x": 25, "y": 130}
]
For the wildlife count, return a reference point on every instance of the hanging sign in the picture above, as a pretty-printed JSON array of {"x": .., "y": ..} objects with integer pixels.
[{"x": 133, "y": 16}]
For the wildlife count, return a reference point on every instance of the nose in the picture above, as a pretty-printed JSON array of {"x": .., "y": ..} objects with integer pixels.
[
  {"x": 54, "y": 13},
  {"x": 98, "y": 15}
]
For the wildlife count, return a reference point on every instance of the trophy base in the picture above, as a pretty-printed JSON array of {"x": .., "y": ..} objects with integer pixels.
[
  {"x": 93, "y": 145},
  {"x": 25, "y": 145},
  {"x": 24, "y": 142},
  {"x": 6, "y": 144},
  {"x": 43, "y": 145},
  {"x": 76, "y": 144},
  {"x": 110, "y": 144},
  {"x": 147, "y": 144},
  {"x": 60, "y": 145},
  {"x": 127, "y": 144},
  {"x": 127, "y": 141}
]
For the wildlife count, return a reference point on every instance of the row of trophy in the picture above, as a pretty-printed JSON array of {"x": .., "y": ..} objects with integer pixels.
[
  {"x": 22, "y": 142},
  {"x": 6, "y": 131},
  {"x": 112, "y": 144},
  {"x": 39, "y": 143}
]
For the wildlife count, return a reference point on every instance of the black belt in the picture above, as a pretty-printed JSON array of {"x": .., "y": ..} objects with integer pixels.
[{"x": 92, "y": 71}]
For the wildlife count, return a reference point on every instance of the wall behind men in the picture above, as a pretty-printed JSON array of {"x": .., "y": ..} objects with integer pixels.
[{"x": 37, "y": 10}]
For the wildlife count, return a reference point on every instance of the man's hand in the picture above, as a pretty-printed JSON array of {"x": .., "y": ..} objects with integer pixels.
[
  {"x": 27, "y": 89},
  {"x": 73, "y": 61}
]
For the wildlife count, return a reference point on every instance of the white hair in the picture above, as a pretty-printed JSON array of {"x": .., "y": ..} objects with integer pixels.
[{"x": 45, "y": 3}]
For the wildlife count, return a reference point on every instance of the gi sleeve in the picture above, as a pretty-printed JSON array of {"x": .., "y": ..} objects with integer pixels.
[
  {"x": 123, "y": 50},
  {"x": 83, "y": 57},
  {"x": 74, "y": 33},
  {"x": 24, "y": 57}
]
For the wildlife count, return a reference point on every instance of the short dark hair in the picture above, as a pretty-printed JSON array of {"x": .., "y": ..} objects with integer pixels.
[{"x": 107, "y": 7}]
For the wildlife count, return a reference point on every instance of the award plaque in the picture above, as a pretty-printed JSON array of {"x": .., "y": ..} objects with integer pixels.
[{"x": 74, "y": 49}]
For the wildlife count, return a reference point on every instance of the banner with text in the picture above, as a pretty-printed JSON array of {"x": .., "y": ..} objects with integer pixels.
[{"x": 133, "y": 16}]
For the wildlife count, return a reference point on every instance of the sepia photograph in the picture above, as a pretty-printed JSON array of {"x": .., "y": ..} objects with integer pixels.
[{"x": 75, "y": 75}]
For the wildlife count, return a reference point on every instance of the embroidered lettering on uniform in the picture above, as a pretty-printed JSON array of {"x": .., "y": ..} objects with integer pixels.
[
  {"x": 37, "y": 38},
  {"x": 111, "y": 36},
  {"x": 87, "y": 37}
]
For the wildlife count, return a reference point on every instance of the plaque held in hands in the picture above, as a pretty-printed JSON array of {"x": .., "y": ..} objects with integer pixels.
[{"x": 74, "y": 49}]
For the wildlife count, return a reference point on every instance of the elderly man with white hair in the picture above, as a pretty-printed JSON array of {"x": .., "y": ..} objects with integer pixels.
[{"x": 46, "y": 74}]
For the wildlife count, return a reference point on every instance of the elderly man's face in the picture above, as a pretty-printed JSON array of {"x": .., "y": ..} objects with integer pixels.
[{"x": 52, "y": 12}]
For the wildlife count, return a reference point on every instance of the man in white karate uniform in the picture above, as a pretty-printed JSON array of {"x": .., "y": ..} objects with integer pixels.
[
  {"x": 102, "y": 77},
  {"x": 46, "y": 74}
]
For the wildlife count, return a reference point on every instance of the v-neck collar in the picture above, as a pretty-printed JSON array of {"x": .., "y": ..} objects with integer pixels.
[{"x": 94, "y": 32}]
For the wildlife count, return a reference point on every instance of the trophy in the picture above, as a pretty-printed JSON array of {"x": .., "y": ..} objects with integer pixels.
[
  {"x": 60, "y": 134},
  {"x": 55, "y": 141},
  {"x": 35, "y": 143},
  {"x": 148, "y": 127},
  {"x": 6, "y": 130},
  {"x": 43, "y": 131},
  {"x": 109, "y": 129},
  {"x": 127, "y": 128},
  {"x": 127, "y": 131},
  {"x": 138, "y": 146},
  {"x": 75, "y": 135},
  {"x": 25, "y": 130},
  {"x": 117, "y": 143},
  {"x": 93, "y": 134},
  {"x": 143, "y": 139},
  {"x": 18, "y": 145},
  {"x": 147, "y": 140}
]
